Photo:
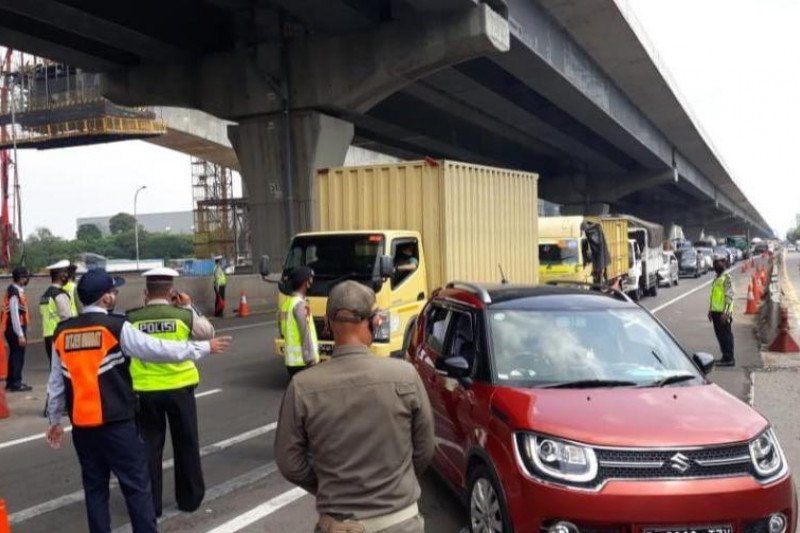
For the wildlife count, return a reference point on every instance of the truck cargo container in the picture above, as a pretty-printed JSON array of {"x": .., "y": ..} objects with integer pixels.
[{"x": 459, "y": 221}]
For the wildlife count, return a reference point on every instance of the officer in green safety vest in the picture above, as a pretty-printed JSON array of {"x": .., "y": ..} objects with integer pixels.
[
  {"x": 166, "y": 390},
  {"x": 301, "y": 348},
  {"x": 71, "y": 287},
  {"x": 720, "y": 310},
  {"x": 220, "y": 281},
  {"x": 55, "y": 304}
]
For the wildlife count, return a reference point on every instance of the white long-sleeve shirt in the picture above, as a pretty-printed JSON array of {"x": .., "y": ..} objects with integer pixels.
[
  {"x": 131, "y": 341},
  {"x": 13, "y": 310}
]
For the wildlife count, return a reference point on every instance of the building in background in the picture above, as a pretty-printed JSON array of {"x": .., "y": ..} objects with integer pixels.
[{"x": 175, "y": 222}]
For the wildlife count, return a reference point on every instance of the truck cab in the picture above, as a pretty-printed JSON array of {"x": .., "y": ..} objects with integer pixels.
[{"x": 392, "y": 263}]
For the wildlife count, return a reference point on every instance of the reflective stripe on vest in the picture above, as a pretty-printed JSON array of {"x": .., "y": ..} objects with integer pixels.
[
  {"x": 72, "y": 289},
  {"x": 5, "y": 313},
  {"x": 164, "y": 322},
  {"x": 718, "y": 295},
  {"x": 49, "y": 310},
  {"x": 293, "y": 349}
]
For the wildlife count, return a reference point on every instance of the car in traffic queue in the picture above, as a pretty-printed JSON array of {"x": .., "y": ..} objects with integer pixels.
[
  {"x": 690, "y": 263},
  {"x": 669, "y": 273},
  {"x": 565, "y": 410},
  {"x": 708, "y": 257}
]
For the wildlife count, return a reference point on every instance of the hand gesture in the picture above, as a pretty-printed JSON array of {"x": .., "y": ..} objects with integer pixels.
[
  {"x": 22, "y": 341},
  {"x": 53, "y": 435},
  {"x": 220, "y": 344},
  {"x": 183, "y": 299}
]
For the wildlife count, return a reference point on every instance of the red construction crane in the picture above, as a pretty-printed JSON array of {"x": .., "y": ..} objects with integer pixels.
[{"x": 5, "y": 163}]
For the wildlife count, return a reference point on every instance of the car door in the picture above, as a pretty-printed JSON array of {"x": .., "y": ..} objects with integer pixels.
[{"x": 465, "y": 402}]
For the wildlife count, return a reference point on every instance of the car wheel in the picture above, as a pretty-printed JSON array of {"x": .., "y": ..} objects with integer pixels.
[
  {"x": 696, "y": 274},
  {"x": 488, "y": 512},
  {"x": 636, "y": 295},
  {"x": 677, "y": 280}
]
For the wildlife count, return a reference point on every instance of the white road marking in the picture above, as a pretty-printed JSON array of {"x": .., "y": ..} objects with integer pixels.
[
  {"x": 262, "y": 511},
  {"x": 78, "y": 496},
  {"x": 687, "y": 293},
  {"x": 248, "y": 326},
  {"x": 216, "y": 492},
  {"x": 31, "y": 438}
]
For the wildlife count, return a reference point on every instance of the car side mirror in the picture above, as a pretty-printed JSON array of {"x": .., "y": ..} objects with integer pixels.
[
  {"x": 456, "y": 367},
  {"x": 263, "y": 265},
  {"x": 705, "y": 361},
  {"x": 386, "y": 266}
]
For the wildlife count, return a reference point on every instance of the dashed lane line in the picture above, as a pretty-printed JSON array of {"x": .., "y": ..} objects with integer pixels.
[
  {"x": 78, "y": 496},
  {"x": 262, "y": 511},
  {"x": 40, "y": 436}
]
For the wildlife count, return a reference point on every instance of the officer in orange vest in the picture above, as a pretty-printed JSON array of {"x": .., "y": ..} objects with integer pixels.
[
  {"x": 90, "y": 374},
  {"x": 14, "y": 323}
]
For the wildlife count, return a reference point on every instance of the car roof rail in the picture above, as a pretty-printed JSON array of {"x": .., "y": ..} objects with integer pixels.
[
  {"x": 472, "y": 287},
  {"x": 597, "y": 287}
]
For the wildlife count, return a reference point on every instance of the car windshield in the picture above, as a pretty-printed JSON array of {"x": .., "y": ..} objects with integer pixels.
[
  {"x": 335, "y": 258},
  {"x": 686, "y": 255},
  {"x": 563, "y": 252},
  {"x": 533, "y": 348}
]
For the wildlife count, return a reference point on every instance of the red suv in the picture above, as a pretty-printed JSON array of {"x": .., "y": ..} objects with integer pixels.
[{"x": 563, "y": 410}]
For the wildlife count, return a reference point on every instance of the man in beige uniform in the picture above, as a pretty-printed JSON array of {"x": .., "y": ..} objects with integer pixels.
[{"x": 368, "y": 421}]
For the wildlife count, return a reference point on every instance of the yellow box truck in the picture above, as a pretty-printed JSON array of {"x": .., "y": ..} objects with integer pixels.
[
  {"x": 451, "y": 220},
  {"x": 565, "y": 252}
]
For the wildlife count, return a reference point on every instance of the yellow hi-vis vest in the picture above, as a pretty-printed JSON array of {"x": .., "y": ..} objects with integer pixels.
[
  {"x": 220, "y": 278},
  {"x": 166, "y": 322},
  {"x": 293, "y": 349},
  {"x": 49, "y": 310},
  {"x": 72, "y": 289},
  {"x": 718, "y": 295}
]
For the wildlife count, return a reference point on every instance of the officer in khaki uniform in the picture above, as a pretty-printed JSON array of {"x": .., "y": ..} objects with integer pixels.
[
  {"x": 166, "y": 390},
  {"x": 364, "y": 469}
]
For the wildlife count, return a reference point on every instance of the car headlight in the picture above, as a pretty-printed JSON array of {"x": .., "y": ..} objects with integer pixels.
[
  {"x": 383, "y": 332},
  {"x": 554, "y": 458},
  {"x": 766, "y": 454}
]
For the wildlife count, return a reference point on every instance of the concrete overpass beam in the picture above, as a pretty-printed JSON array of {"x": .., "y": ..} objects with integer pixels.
[{"x": 279, "y": 183}]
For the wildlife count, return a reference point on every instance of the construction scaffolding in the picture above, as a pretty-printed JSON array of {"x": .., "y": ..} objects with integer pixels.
[
  {"x": 53, "y": 105},
  {"x": 221, "y": 225}
]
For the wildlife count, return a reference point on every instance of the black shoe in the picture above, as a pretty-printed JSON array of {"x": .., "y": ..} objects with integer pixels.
[
  {"x": 725, "y": 362},
  {"x": 22, "y": 387}
]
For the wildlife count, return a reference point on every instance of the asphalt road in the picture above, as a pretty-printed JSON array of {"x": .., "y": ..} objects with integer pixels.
[{"x": 238, "y": 402}]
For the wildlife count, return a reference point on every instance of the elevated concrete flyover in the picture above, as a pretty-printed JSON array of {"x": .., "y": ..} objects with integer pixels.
[{"x": 561, "y": 87}]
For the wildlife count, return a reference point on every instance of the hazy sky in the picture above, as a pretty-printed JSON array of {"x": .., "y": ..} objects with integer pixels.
[{"x": 735, "y": 61}]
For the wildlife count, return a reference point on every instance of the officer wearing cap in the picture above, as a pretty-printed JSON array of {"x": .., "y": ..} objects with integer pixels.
[
  {"x": 90, "y": 375},
  {"x": 14, "y": 323},
  {"x": 55, "y": 304},
  {"x": 301, "y": 348},
  {"x": 720, "y": 310},
  {"x": 166, "y": 390},
  {"x": 220, "y": 282},
  {"x": 365, "y": 468}
]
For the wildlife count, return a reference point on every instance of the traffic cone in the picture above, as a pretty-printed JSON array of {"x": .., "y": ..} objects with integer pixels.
[
  {"x": 4, "y": 413},
  {"x": 3, "y": 360},
  {"x": 784, "y": 343},
  {"x": 757, "y": 292},
  {"x": 244, "y": 309},
  {"x": 752, "y": 306},
  {"x": 5, "y": 527}
]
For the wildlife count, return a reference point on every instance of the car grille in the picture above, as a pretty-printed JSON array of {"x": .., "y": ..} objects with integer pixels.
[
  {"x": 722, "y": 461},
  {"x": 322, "y": 334}
]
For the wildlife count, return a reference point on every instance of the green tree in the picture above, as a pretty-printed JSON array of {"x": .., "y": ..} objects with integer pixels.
[
  {"x": 89, "y": 233},
  {"x": 121, "y": 223}
]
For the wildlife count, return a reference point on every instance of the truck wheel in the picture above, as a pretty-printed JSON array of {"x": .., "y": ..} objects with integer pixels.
[
  {"x": 653, "y": 290},
  {"x": 487, "y": 506},
  {"x": 636, "y": 295}
]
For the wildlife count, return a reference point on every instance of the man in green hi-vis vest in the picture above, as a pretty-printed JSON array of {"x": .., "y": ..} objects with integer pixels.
[
  {"x": 166, "y": 390},
  {"x": 220, "y": 282},
  {"x": 297, "y": 325},
  {"x": 720, "y": 310}
]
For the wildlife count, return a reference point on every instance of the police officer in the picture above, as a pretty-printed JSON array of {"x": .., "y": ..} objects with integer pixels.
[
  {"x": 71, "y": 287},
  {"x": 55, "y": 304},
  {"x": 359, "y": 483},
  {"x": 220, "y": 282},
  {"x": 90, "y": 374},
  {"x": 301, "y": 348},
  {"x": 14, "y": 323},
  {"x": 166, "y": 390},
  {"x": 720, "y": 310}
]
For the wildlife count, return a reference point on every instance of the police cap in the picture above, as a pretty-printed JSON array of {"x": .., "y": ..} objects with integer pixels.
[{"x": 59, "y": 265}]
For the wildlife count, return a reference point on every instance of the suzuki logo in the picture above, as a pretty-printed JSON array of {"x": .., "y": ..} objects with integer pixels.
[{"x": 680, "y": 462}]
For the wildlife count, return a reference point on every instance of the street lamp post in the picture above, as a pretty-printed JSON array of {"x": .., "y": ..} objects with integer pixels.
[{"x": 136, "y": 223}]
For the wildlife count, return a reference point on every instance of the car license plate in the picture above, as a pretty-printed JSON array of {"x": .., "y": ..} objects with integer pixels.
[
  {"x": 692, "y": 529},
  {"x": 326, "y": 349}
]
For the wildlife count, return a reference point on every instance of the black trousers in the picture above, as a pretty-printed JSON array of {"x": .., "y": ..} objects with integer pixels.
[
  {"x": 724, "y": 332},
  {"x": 219, "y": 300},
  {"x": 48, "y": 348},
  {"x": 16, "y": 358},
  {"x": 177, "y": 406},
  {"x": 114, "y": 447}
]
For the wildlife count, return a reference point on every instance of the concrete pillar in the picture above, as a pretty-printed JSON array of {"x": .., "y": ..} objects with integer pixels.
[{"x": 278, "y": 210}]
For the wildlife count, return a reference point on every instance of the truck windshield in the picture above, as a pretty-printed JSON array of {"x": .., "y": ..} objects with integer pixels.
[
  {"x": 563, "y": 252},
  {"x": 335, "y": 258}
]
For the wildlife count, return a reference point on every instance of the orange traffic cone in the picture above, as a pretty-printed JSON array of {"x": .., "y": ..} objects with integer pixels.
[
  {"x": 3, "y": 360},
  {"x": 5, "y": 527},
  {"x": 784, "y": 342},
  {"x": 757, "y": 292},
  {"x": 4, "y": 413},
  {"x": 244, "y": 309},
  {"x": 752, "y": 306}
]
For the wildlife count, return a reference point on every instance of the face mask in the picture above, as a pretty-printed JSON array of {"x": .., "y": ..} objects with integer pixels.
[{"x": 719, "y": 269}]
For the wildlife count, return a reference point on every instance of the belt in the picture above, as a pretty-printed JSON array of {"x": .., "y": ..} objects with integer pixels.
[{"x": 375, "y": 524}]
